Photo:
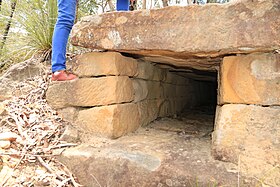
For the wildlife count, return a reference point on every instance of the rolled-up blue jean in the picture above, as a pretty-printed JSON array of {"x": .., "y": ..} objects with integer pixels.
[
  {"x": 122, "y": 5},
  {"x": 63, "y": 26}
]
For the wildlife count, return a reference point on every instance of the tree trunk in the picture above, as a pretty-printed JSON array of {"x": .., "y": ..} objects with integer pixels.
[
  {"x": 144, "y": 4},
  {"x": 7, "y": 29},
  {"x": 0, "y": 4},
  {"x": 165, "y": 3}
]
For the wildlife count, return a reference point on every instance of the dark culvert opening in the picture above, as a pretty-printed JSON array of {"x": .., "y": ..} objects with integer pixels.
[{"x": 197, "y": 117}]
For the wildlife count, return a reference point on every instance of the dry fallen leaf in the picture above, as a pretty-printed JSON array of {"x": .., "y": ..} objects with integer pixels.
[{"x": 10, "y": 136}]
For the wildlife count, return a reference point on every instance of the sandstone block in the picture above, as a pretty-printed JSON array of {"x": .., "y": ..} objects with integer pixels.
[
  {"x": 248, "y": 134},
  {"x": 148, "y": 111},
  {"x": 167, "y": 108},
  {"x": 159, "y": 74},
  {"x": 68, "y": 114},
  {"x": 71, "y": 134},
  {"x": 155, "y": 90},
  {"x": 175, "y": 79},
  {"x": 86, "y": 92},
  {"x": 251, "y": 79},
  {"x": 145, "y": 70},
  {"x": 140, "y": 89},
  {"x": 112, "y": 121},
  {"x": 169, "y": 90},
  {"x": 182, "y": 81},
  {"x": 104, "y": 63},
  {"x": 239, "y": 30}
]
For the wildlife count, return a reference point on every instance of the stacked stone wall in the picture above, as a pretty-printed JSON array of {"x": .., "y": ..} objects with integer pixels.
[
  {"x": 247, "y": 127},
  {"x": 115, "y": 95}
]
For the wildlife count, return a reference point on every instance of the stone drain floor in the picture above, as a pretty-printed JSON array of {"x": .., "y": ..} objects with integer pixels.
[{"x": 169, "y": 152}]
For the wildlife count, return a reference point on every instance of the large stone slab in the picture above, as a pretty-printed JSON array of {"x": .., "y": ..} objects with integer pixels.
[
  {"x": 107, "y": 63},
  {"x": 147, "y": 158},
  {"x": 112, "y": 121},
  {"x": 251, "y": 79},
  {"x": 249, "y": 135},
  {"x": 189, "y": 32},
  {"x": 87, "y": 92}
]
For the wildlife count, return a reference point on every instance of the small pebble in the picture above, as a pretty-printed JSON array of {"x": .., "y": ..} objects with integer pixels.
[
  {"x": 168, "y": 182},
  {"x": 4, "y": 144}
]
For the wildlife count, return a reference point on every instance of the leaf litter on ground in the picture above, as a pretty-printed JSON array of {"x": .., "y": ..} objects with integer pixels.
[{"x": 31, "y": 130}]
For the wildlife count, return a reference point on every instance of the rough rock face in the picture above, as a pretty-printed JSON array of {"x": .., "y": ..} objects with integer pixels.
[
  {"x": 247, "y": 121},
  {"x": 147, "y": 158},
  {"x": 251, "y": 79},
  {"x": 18, "y": 72},
  {"x": 115, "y": 95},
  {"x": 249, "y": 135},
  {"x": 98, "y": 64},
  {"x": 183, "y": 35},
  {"x": 88, "y": 92}
]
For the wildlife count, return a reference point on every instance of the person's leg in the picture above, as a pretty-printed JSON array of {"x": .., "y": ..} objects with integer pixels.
[
  {"x": 64, "y": 24},
  {"x": 122, "y": 5}
]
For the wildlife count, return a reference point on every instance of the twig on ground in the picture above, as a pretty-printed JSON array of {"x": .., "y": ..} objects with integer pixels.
[
  {"x": 63, "y": 145},
  {"x": 96, "y": 180}
]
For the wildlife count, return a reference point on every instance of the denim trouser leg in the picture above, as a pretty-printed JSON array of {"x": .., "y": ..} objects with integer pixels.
[
  {"x": 64, "y": 24},
  {"x": 122, "y": 5}
]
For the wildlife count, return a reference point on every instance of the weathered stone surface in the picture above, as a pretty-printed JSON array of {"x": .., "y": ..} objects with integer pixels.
[
  {"x": 18, "y": 72},
  {"x": 107, "y": 63},
  {"x": 71, "y": 134},
  {"x": 91, "y": 92},
  {"x": 145, "y": 70},
  {"x": 169, "y": 90},
  {"x": 148, "y": 71},
  {"x": 251, "y": 79},
  {"x": 68, "y": 114},
  {"x": 174, "y": 78},
  {"x": 167, "y": 108},
  {"x": 112, "y": 121},
  {"x": 148, "y": 111},
  {"x": 140, "y": 89},
  {"x": 147, "y": 158},
  {"x": 244, "y": 27},
  {"x": 248, "y": 135},
  {"x": 155, "y": 90}
]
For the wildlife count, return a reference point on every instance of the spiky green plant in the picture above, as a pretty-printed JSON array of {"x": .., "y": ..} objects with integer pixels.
[
  {"x": 37, "y": 18},
  {"x": 32, "y": 30}
]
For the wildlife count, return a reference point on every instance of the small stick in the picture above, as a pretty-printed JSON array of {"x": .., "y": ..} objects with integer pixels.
[
  {"x": 70, "y": 174},
  {"x": 63, "y": 145},
  {"x": 96, "y": 180},
  {"x": 23, "y": 154},
  {"x": 45, "y": 165}
]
